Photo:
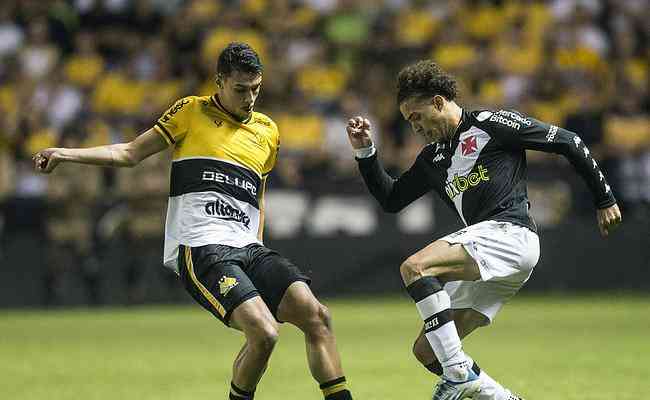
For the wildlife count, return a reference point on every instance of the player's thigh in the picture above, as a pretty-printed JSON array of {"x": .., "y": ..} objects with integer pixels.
[
  {"x": 273, "y": 275},
  {"x": 300, "y": 307},
  {"x": 442, "y": 259},
  {"x": 214, "y": 278}
]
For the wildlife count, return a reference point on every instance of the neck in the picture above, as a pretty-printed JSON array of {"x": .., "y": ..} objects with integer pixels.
[
  {"x": 456, "y": 116},
  {"x": 233, "y": 116}
]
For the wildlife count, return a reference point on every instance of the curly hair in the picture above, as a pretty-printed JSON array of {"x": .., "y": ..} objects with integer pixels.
[
  {"x": 241, "y": 57},
  {"x": 425, "y": 78}
]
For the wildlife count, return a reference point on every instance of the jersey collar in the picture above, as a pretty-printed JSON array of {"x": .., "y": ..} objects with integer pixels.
[{"x": 217, "y": 103}]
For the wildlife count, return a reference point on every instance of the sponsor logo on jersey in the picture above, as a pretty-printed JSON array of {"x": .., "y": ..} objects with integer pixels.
[
  {"x": 229, "y": 180},
  {"x": 226, "y": 284},
  {"x": 459, "y": 184},
  {"x": 262, "y": 121},
  {"x": 515, "y": 116},
  {"x": 552, "y": 131},
  {"x": 222, "y": 210},
  {"x": 468, "y": 146},
  {"x": 483, "y": 115},
  {"x": 175, "y": 108},
  {"x": 505, "y": 121},
  {"x": 439, "y": 157}
]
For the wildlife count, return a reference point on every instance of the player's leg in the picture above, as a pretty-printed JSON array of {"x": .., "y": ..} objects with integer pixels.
[
  {"x": 466, "y": 320},
  {"x": 286, "y": 292},
  {"x": 422, "y": 274},
  {"x": 300, "y": 307},
  {"x": 261, "y": 330},
  {"x": 212, "y": 275},
  {"x": 503, "y": 257}
]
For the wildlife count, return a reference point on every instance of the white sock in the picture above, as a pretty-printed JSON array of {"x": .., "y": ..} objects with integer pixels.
[
  {"x": 440, "y": 331},
  {"x": 491, "y": 389}
]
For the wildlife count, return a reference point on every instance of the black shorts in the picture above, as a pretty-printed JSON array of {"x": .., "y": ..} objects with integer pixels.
[{"x": 222, "y": 277}]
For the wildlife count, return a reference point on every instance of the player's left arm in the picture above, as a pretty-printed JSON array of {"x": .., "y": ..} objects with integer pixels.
[{"x": 519, "y": 131}]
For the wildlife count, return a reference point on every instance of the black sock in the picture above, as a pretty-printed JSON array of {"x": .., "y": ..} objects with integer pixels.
[
  {"x": 336, "y": 389},
  {"x": 237, "y": 393}
]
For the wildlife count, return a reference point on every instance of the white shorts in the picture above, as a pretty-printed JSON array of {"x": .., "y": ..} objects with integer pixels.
[{"x": 506, "y": 255}]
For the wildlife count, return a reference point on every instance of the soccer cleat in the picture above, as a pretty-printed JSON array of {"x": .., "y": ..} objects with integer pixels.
[{"x": 449, "y": 390}]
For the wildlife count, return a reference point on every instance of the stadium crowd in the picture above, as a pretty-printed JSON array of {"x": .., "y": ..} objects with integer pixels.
[{"x": 89, "y": 72}]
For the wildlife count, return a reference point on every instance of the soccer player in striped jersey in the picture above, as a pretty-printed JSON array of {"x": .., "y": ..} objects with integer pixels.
[
  {"x": 476, "y": 162},
  {"x": 223, "y": 152}
]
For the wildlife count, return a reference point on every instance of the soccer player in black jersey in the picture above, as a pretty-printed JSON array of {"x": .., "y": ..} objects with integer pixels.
[
  {"x": 476, "y": 162},
  {"x": 223, "y": 152}
]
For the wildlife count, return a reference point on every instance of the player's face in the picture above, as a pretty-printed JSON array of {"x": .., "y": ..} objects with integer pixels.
[
  {"x": 238, "y": 93},
  {"x": 427, "y": 117}
]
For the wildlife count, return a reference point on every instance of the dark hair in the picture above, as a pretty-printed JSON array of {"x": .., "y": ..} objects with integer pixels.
[
  {"x": 425, "y": 78},
  {"x": 239, "y": 57}
]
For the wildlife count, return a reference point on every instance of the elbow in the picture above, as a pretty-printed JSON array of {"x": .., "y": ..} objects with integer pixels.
[{"x": 130, "y": 157}]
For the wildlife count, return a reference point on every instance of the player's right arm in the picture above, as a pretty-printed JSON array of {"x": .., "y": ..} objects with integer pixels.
[
  {"x": 114, "y": 155},
  {"x": 170, "y": 128},
  {"x": 392, "y": 194}
]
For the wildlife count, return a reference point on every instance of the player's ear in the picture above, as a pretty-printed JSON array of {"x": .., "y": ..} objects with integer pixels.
[
  {"x": 438, "y": 102},
  {"x": 218, "y": 79}
]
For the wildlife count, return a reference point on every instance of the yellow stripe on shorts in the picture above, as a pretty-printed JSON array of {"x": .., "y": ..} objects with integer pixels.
[{"x": 206, "y": 293}]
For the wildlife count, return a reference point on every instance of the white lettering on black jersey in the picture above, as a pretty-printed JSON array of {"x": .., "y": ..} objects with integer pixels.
[{"x": 481, "y": 171}]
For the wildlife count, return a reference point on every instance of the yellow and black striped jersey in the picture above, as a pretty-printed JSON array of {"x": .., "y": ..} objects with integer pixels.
[{"x": 218, "y": 168}]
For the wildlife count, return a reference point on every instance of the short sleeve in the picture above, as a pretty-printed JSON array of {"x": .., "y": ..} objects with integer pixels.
[{"x": 174, "y": 123}]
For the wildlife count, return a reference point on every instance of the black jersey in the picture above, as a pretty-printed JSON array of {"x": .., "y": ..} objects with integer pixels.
[{"x": 481, "y": 171}]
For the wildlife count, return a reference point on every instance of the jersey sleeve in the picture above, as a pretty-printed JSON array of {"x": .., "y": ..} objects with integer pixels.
[
  {"x": 174, "y": 123},
  {"x": 393, "y": 194},
  {"x": 516, "y": 130},
  {"x": 275, "y": 149}
]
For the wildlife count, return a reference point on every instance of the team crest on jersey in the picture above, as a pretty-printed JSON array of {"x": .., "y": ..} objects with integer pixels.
[
  {"x": 226, "y": 284},
  {"x": 468, "y": 146},
  {"x": 218, "y": 122}
]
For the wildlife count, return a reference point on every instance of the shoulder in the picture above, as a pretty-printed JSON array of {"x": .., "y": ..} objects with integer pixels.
[
  {"x": 264, "y": 122},
  {"x": 183, "y": 104},
  {"x": 502, "y": 118}
]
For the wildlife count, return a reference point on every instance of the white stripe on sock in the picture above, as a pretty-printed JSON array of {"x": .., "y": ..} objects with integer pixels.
[
  {"x": 427, "y": 308},
  {"x": 444, "y": 340}
]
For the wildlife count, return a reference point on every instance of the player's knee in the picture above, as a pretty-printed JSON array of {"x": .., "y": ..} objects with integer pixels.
[
  {"x": 319, "y": 322},
  {"x": 412, "y": 269},
  {"x": 264, "y": 337}
]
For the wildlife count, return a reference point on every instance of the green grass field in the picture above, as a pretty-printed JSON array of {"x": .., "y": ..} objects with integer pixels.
[{"x": 543, "y": 347}]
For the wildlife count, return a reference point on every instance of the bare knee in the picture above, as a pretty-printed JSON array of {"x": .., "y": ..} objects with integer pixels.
[
  {"x": 263, "y": 337},
  {"x": 318, "y": 322},
  {"x": 413, "y": 269}
]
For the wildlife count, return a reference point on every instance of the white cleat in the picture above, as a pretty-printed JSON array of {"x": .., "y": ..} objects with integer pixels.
[{"x": 449, "y": 390}]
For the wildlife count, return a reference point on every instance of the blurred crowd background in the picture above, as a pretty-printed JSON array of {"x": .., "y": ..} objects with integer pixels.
[{"x": 90, "y": 72}]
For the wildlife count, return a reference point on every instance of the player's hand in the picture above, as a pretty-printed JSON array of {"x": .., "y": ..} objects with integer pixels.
[
  {"x": 608, "y": 218},
  {"x": 359, "y": 132},
  {"x": 46, "y": 160}
]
